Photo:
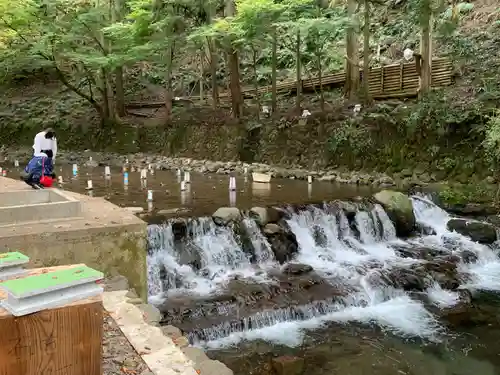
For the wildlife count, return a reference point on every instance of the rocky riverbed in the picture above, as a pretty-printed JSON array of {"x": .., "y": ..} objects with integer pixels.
[
  {"x": 301, "y": 263},
  {"x": 404, "y": 179}
]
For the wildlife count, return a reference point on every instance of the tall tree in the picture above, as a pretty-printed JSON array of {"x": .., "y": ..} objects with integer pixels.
[
  {"x": 234, "y": 67},
  {"x": 352, "y": 58},
  {"x": 425, "y": 46}
]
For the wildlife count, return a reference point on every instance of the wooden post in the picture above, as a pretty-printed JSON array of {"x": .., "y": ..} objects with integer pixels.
[
  {"x": 382, "y": 71},
  {"x": 66, "y": 340},
  {"x": 401, "y": 85}
]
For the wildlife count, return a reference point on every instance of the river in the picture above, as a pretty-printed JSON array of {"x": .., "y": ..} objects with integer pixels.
[{"x": 379, "y": 329}]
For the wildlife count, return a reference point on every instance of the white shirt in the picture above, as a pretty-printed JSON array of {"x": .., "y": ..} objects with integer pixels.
[{"x": 42, "y": 143}]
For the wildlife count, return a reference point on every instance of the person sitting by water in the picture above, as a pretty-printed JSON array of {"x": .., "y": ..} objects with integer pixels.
[
  {"x": 39, "y": 172},
  {"x": 45, "y": 141}
]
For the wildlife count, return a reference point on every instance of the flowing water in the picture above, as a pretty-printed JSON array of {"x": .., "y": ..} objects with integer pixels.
[
  {"x": 360, "y": 258},
  {"x": 378, "y": 327}
]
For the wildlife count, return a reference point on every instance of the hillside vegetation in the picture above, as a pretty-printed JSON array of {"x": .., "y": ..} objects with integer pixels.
[{"x": 83, "y": 66}]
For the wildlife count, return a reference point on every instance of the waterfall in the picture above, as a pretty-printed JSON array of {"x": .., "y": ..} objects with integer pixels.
[
  {"x": 357, "y": 249},
  {"x": 219, "y": 251}
]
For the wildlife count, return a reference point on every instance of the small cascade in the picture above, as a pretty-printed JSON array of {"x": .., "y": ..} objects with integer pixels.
[
  {"x": 262, "y": 249},
  {"x": 264, "y": 319},
  {"x": 338, "y": 248},
  {"x": 218, "y": 246},
  {"x": 208, "y": 256}
]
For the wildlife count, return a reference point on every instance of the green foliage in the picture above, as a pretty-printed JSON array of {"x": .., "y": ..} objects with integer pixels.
[
  {"x": 440, "y": 115},
  {"x": 350, "y": 136},
  {"x": 491, "y": 141},
  {"x": 462, "y": 194}
]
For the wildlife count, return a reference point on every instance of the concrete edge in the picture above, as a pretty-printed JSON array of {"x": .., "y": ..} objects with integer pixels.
[{"x": 162, "y": 354}]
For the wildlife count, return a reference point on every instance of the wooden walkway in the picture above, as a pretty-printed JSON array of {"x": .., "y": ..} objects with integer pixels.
[{"x": 389, "y": 81}]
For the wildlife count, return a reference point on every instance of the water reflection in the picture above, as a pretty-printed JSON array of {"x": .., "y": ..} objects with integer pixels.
[{"x": 199, "y": 194}]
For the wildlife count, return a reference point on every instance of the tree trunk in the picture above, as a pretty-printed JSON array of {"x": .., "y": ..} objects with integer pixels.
[
  {"x": 274, "y": 65},
  {"x": 116, "y": 16},
  {"x": 213, "y": 73},
  {"x": 168, "y": 81},
  {"x": 213, "y": 62},
  {"x": 298, "y": 101},
  {"x": 256, "y": 80},
  {"x": 202, "y": 95},
  {"x": 106, "y": 87},
  {"x": 366, "y": 53},
  {"x": 234, "y": 69},
  {"x": 425, "y": 48},
  {"x": 352, "y": 62}
]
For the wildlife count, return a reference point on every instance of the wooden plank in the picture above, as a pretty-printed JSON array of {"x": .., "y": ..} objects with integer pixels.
[{"x": 64, "y": 341}]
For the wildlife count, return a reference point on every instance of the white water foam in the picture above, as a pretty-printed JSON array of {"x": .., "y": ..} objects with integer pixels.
[
  {"x": 485, "y": 271},
  {"x": 221, "y": 256},
  {"x": 329, "y": 245}
]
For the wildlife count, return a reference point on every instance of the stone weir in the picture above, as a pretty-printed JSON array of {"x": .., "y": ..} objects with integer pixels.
[{"x": 239, "y": 271}]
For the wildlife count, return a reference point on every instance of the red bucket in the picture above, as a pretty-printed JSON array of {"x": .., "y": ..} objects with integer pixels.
[{"x": 46, "y": 181}]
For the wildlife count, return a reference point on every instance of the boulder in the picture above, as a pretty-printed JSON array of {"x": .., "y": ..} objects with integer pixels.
[
  {"x": 477, "y": 231},
  {"x": 260, "y": 215},
  {"x": 225, "y": 215},
  {"x": 297, "y": 268},
  {"x": 282, "y": 241},
  {"x": 211, "y": 367},
  {"x": 272, "y": 229},
  {"x": 288, "y": 365},
  {"x": 399, "y": 208},
  {"x": 171, "y": 331}
]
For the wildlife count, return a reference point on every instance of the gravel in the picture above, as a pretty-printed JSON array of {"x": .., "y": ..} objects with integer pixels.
[{"x": 119, "y": 357}]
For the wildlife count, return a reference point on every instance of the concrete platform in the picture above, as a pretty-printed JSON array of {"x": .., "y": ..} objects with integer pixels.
[
  {"x": 35, "y": 205},
  {"x": 103, "y": 236}
]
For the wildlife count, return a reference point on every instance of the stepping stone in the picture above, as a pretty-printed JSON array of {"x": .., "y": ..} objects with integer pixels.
[{"x": 50, "y": 290}]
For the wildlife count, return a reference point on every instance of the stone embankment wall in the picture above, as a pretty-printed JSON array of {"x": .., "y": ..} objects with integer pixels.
[{"x": 403, "y": 179}]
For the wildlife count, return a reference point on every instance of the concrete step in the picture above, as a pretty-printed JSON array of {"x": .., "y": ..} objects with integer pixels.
[{"x": 34, "y": 205}]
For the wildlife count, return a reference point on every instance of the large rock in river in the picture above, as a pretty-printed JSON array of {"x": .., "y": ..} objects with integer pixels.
[
  {"x": 225, "y": 215},
  {"x": 477, "y": 231},
  {"x": 400, "y": 210}
]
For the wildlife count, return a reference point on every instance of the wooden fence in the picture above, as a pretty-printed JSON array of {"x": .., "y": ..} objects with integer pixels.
[
  {"x": 390, "y": 81},
  {"x": 394, "y": 80}
]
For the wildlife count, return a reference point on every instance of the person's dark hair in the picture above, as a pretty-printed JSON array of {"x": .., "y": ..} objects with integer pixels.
[
  {"x": 49, "y": 153},
  {"x": 50, "y": 133}
]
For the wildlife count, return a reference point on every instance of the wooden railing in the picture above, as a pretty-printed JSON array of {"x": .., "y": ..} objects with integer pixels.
[{"x": 389, "y": 81}]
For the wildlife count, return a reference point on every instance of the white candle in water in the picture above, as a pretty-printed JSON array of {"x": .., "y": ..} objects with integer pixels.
[
  {"x": 150, "y": 195},
  {"x": 89, "y": 185},
  {"x": 107, "y": 171},
  {"x": 309, "y": 179},
  {"x": 187, "y": 177},
  {"x": 183, "y": 185},
  {"x": 232, "y": 183}
]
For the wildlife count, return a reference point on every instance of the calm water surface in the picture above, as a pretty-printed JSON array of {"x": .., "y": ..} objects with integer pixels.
[{"x": 204, "y": 194}]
